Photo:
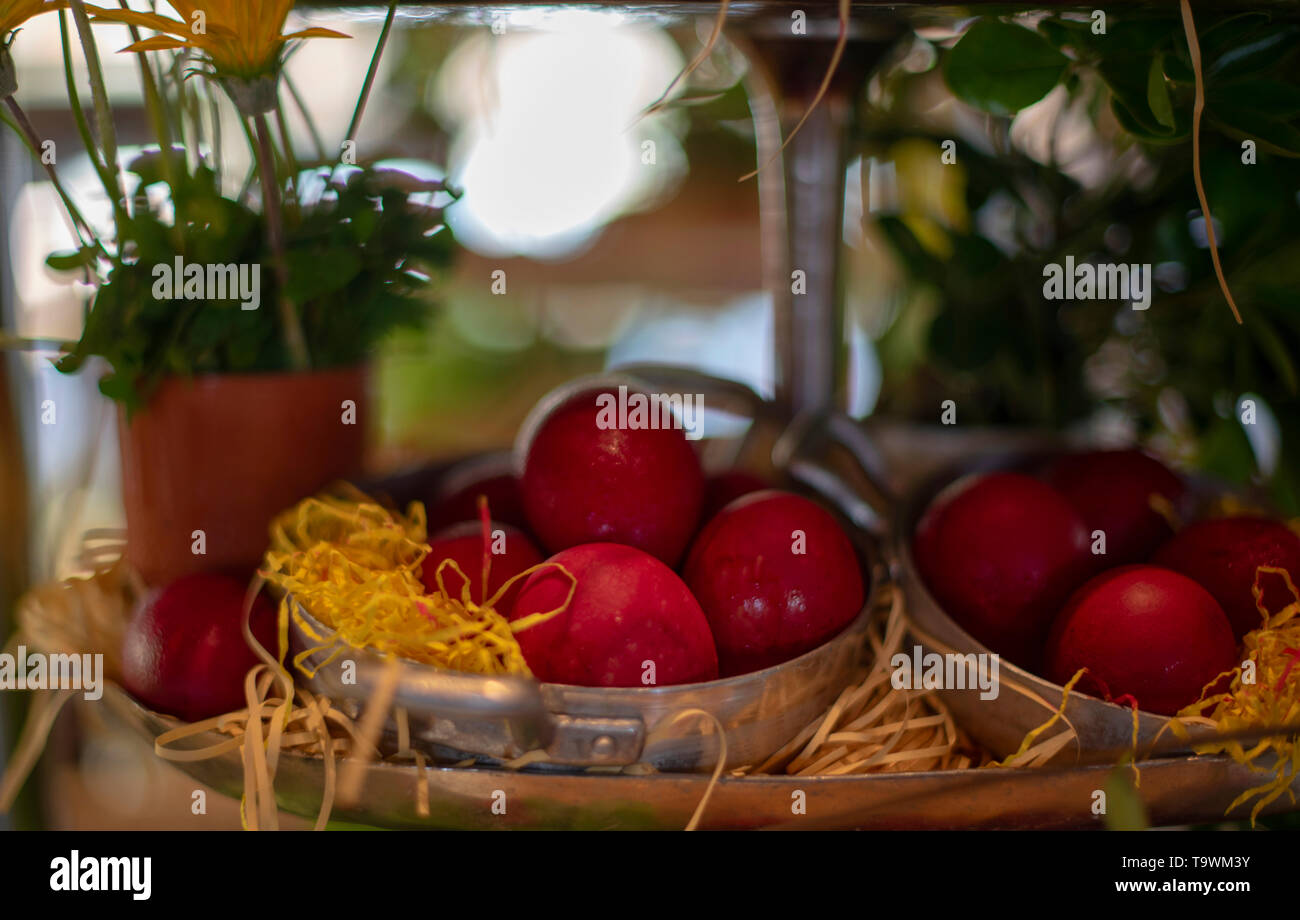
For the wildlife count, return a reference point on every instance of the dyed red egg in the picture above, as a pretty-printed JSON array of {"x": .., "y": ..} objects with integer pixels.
[
  {"x": 776, "y": 577},
  {"x": 721, "y": 489},
  {"x": 1113, "y": 491},
  {"x": 491, "y": 476},
  {"x": 1000, "y": 553},
  {"x": 184, "y": 652},
  {"x": 1222, "y": 555},
  {"x": 632, "y": 622},
  {"x": 588, "y": 477},
  {"x": 1145, "y": 632},
  {"x": 464, "y": 543}
]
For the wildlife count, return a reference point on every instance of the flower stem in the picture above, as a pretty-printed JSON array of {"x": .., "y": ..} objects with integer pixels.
[
  {"x": 301, "y": 106},
  {"x": 103, "y": 113},
  {"x": 371, "y": 73},
  {"x": 294, "y": 339},
  {"x": 102, "y": 170},
  {"x": 158, "y": 117},
  {"x": 28, "y": 133},
  {"x": 291, "y": 159}
]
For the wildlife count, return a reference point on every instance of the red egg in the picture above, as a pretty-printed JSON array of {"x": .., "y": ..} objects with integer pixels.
[
  {"x": 776, "y": 577},
  {"x": 632, "y": 622},
  {"x": 1000, "y": 553},
  {"x": 721, "y": 489},
  {"x": 184, "y": 652},
  {"x": 491, "y": 476},
  {"x": 510, "y": 550},
  {"x": 1113, "y": 490},
  {"x": 587, "y": 480},
  {"x": 1145, "y": 632},
  {"x": 1222, "y": 555}
]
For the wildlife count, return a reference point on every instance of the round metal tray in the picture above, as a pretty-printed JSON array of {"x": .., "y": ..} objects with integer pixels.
[{"x": 1174, "y": 791}]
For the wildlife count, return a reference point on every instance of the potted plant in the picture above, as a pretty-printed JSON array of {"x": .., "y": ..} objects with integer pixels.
[{"x": 235, "y": 324}]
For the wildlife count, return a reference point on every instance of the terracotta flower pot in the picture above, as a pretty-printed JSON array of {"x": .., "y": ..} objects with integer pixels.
[{"x": 223, "y": 454}]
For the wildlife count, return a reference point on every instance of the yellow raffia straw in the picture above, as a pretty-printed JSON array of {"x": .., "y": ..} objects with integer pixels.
[
  {"x": 1057, "y": 715},
  {"x": 355, "y": 566},
  {"x": 1273, "y": 698}
]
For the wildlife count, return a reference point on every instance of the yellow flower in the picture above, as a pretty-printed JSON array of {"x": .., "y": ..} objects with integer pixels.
[
  {"x": 14, "y": 13},
  {"x": 243, "y": 39}
]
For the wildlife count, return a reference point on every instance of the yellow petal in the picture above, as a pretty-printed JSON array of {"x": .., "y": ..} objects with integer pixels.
[
  {"x": 144, "y": 20},
  {"x": 317, "y": 32},
  {"x": 156, "y": 43}
]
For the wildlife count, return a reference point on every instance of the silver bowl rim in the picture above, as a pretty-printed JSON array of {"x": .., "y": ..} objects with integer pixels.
[
  {"x": 856, "y": 627},
  {"x": 918, "y": 500}
]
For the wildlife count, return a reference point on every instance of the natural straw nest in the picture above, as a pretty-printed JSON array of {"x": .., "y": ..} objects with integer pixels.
[
  {"x": 871, "y": 727},
  {"x": 874, "y": 727}
]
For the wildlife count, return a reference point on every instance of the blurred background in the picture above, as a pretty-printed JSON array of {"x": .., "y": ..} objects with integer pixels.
[{"x": 626, "y": 238}]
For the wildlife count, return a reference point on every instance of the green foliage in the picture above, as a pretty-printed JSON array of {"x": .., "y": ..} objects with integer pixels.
[
  {"x": 1125, "y": 810},
  {"x": 356, "y": 261},
  {"x": 1001, "y": 67},
  {"x": 1006, "y": 354}
]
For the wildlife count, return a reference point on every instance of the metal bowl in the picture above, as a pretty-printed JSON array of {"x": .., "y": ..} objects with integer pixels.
[
  {"x": 506, "y": 717},
  {"x": 1025, "y": 700}
]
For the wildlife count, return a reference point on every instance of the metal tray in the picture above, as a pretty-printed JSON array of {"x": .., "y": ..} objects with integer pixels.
[{"x": 1174, "y": 791}]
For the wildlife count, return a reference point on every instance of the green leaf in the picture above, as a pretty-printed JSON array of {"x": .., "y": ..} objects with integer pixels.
[
  {"x": 115, "y": 387},
  {"x": 70, "y": 363},
  {"x": 915, "y": 259},
  {"x": 1230, "y": 32},
  {"x": 963, "y": 341},
  {"x": 1002, "y": 68},
  {"x": 1269, "y": 134},
  {"x": 1068, "y": 33},
  {"x": 1158, "y": 93},
  {"x": 1225, "y": 452},
  {"x": 1274, "y": 98},
  {"x": 1133, "y": 36},
  {"x": 1178, "y": 70},
  {"x": 1145, "y": 131},
  {"x": 1255, "y": 55},
  {"x": 151, "y": 166},
  {"x": 71, "y": 261},
  {"x": 313, "y": 274},
  {"x": 1275, "y": 351},
  {"x": 1129, "y": 78},
  {"x": 1140, "y": 36},
  {"x": 1125, "y": 810}
]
